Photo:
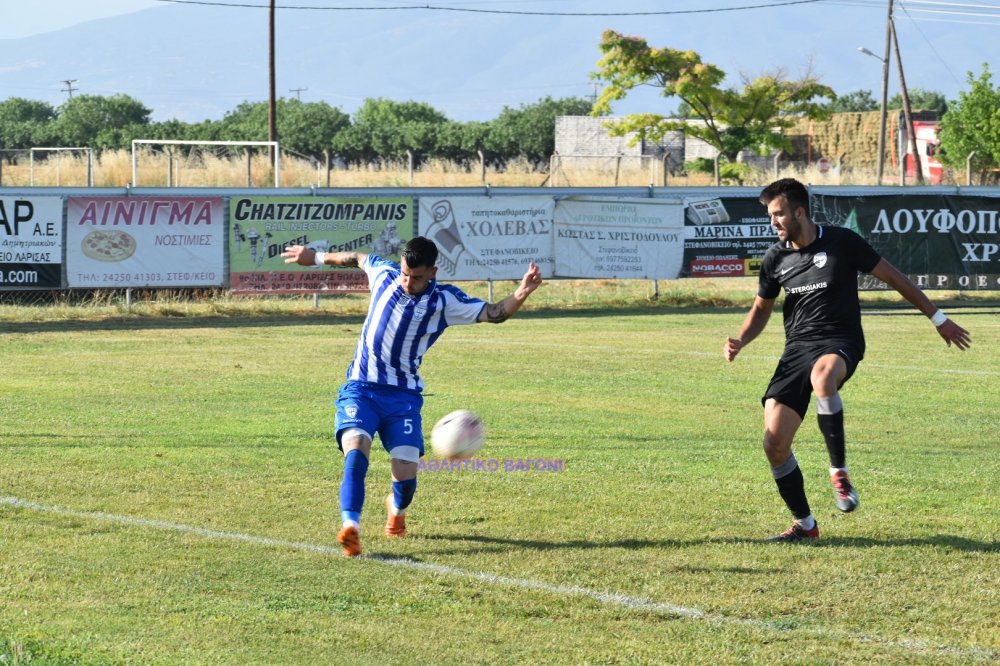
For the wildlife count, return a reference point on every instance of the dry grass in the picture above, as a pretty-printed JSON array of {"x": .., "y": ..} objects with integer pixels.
[{"x": 202, "y": 169}]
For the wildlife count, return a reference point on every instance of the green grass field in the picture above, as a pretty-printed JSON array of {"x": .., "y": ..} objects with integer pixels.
[{"x": 168, "y": 494}]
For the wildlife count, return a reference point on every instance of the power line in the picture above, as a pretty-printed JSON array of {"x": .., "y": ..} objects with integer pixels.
[
  {"x": 496, "y": 11},
  {"x": 930, "y": 44}
]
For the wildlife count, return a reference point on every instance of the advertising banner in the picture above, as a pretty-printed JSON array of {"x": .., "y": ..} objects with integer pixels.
[
  {"x": 725, "y": 237},
  {"x": 619, "y": 238},
  {"x": 31, "y": 242},
  {"x": 489, "y": 238},
  {"x": 939, "y": 241},
  {"x": 145, "y": 242},
  {"x": 262, "y": 227}
]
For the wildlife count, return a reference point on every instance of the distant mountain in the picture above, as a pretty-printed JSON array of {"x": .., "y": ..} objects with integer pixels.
[{"x": 193, "y": 62}]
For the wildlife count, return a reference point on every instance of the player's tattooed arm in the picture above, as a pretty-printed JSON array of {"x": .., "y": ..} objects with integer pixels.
[
  {"x": 496, "y": 313},
  {"x": 346, "y": 258},
  {"x": 306, "y": 256}
]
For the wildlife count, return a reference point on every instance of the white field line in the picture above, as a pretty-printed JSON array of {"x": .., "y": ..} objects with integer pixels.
[
  {"x": 700, "y": 354},
  {"x": 607, "y": 598}
]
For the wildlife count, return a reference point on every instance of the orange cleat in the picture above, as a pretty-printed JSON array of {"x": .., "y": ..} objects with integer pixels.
[
  {"x": 797, "y": 533},
  {"x": 350, "y": 539},
  {"x": 395, "y": 525}
]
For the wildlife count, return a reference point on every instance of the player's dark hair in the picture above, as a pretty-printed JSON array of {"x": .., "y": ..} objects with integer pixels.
[
  {"x": 795, "y": 193},
  {"x": 420, "y": 251}
]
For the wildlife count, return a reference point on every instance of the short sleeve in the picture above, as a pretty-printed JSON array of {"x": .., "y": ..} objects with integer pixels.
[
  {"x": 768, "y": 286},
  {"x": 375, "y": 267},
  {"x": 460, "y": 308},
  {"x": 864, "y": 255}
]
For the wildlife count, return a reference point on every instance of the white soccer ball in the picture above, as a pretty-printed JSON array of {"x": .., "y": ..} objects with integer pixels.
[{"x": 458, "y": 435}]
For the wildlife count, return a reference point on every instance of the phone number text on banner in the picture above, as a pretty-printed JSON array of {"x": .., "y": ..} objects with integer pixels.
[
  {"x": 489, "y": 238},
  {"x": 725, "y": 237},
  {"x": 619, "y": 238},
  {"x": 262, "y": 227},
  {"x": 144, "y": 242}
]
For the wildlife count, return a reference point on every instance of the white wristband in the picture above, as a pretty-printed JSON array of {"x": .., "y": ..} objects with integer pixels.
[
  {"x": 320, "y": 259},
  {"x": 938, "y": 318}
]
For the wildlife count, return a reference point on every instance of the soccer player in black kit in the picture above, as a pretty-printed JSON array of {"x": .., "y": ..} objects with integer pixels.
[{"x": 818, "y": 268}]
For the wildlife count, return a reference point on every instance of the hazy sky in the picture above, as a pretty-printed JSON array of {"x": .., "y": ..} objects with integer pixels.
[
  {"x": 23, "y": 18},
  {"x": 941, "y": 41}
]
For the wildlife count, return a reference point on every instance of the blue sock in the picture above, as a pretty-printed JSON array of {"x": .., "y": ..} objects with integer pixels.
[
  {"x": 352, "y": 488},
  {"x": 402, "y": 493}
]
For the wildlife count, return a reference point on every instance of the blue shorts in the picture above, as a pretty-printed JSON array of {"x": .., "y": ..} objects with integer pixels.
[{"x": 393, "y": 413}]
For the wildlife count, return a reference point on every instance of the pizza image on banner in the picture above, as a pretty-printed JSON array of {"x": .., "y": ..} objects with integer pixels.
[
  {"x": 261, "y": 228},
  {"x": 140, "y": 241},
  {"x": 110, "y": 245}
]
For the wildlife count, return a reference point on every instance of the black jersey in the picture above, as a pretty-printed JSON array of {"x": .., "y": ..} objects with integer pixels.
[{"x": 821, "y": 285}]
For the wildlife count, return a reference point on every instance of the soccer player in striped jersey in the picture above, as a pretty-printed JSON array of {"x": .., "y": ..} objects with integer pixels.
[
  {"x": 408, "y": 312},
  {"x": 818, "y": 267}
]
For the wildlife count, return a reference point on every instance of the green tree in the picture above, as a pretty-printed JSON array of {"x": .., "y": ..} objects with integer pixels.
[
  {"x": 23, "y": 122},
  {"x": 731, "y": 120},
  {"x": 857, "y": 100},
  {"x": 385, "y": 129},
  {"x": 972, "y": 124},
  {"x": 529, "y": 131},
  {"x": 303, "y": 127},
  {"x": 460, "y": 142},
  {"x": 100, "y": 122},
  {"x": 921, "y": 100}
]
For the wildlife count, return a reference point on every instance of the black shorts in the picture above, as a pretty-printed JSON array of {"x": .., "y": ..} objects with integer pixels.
[{"x": 790, "y": 384}]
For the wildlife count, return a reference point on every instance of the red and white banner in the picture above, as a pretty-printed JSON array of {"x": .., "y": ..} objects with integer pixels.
[{"x": 145, "y": 242}]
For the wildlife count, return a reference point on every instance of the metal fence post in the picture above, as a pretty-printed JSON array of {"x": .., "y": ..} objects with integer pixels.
[{"x": 968, "y": 168}]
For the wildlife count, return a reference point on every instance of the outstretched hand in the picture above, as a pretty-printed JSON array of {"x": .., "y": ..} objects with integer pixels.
[
  {"x": 952, "y": 332},
  {"x": 532, "y": 279},
  {"x": 298, "y": 254}
]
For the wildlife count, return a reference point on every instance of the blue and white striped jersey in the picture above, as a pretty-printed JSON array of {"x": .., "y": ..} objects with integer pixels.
[{"x": 399, "y": 329}]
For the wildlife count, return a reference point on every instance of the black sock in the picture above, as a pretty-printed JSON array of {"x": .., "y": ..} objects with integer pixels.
[
  {"x": 792, "y": 488},
  {"x": 832, "y": 427}
]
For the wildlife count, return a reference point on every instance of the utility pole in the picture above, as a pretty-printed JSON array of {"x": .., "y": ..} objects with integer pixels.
[
  {"x": 69, "y": 86},
  {"x": 272, "y": 119},
  {"x": 908, "y": 116},
  {"x": 885, "y": 96},
  {"x": 297, "y": 91},
  {"x": 593, "y": 97}
]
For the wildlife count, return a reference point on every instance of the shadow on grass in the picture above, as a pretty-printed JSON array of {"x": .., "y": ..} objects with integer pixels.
[
  {"x": 496, "y": 544},
  {"x": 166, "y": 322}
]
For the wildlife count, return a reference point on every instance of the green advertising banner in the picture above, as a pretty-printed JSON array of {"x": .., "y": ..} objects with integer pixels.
[
  {"x": 261, "y": 227},
  {"x": 939, "y": 241}
]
